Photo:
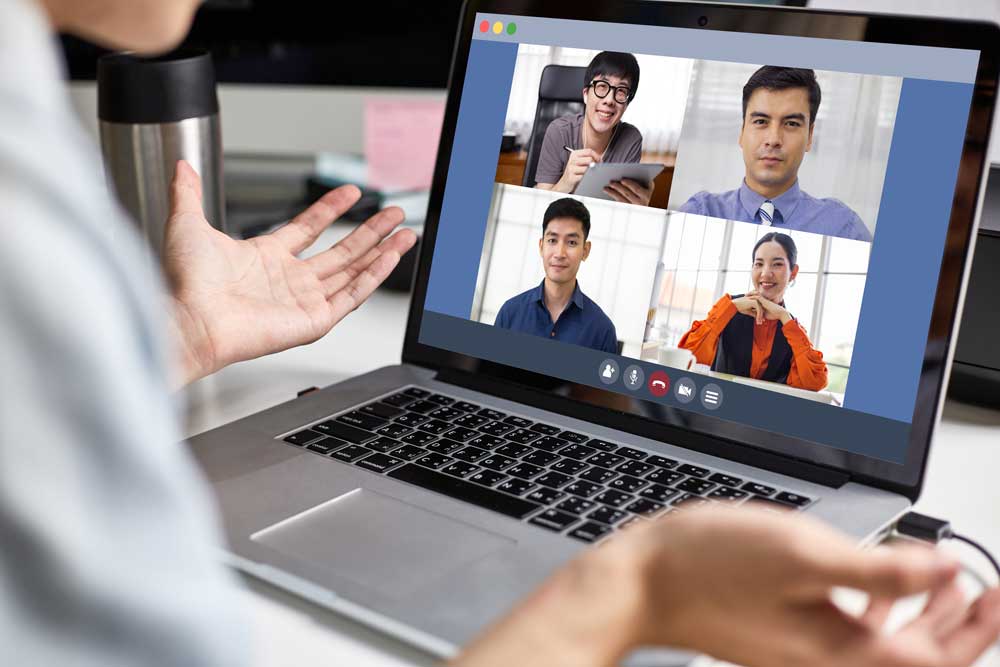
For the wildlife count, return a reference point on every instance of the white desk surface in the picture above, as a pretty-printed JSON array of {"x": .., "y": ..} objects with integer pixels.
[{"x": 961, "y": 482}]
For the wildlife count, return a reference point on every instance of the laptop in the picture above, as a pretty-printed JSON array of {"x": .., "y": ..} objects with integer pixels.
[{"x": 428, "y": 497}]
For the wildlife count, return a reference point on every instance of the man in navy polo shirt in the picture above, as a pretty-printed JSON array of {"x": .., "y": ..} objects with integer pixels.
[{"x": 558, "y": 309}]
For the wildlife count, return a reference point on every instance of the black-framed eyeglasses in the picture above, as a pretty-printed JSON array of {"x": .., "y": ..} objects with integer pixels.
[{"x": 623, "y": 94}]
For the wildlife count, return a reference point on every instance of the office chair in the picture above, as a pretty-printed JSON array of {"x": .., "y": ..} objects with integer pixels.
[{"x": 560, "y": 93}]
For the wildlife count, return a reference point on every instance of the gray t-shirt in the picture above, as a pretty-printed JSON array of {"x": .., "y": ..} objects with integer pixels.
[
  {"x": 108, "y": 541},
  {"x": 625, "y": 146}
]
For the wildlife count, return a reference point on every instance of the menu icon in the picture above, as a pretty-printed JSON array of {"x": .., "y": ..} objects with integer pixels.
[{"x": 711, "y": 396}]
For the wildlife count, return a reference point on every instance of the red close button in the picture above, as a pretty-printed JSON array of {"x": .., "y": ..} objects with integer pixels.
[{"x": 659, "y": 383}]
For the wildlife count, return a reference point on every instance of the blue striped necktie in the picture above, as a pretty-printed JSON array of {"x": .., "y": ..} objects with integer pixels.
[{"x": 766, "y": 213}]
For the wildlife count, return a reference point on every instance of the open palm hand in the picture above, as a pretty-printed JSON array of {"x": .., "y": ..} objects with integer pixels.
[{"x": 237, "y": 300}]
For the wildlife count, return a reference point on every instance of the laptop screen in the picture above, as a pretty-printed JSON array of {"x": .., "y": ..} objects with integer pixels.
[{"x": 744, "y": 227}]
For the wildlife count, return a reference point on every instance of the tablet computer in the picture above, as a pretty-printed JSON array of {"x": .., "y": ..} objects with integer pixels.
[{"x": 602, "y": 173}]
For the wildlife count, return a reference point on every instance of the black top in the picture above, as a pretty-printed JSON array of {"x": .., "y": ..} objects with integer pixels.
[
  {"x": 165, "y": 89},
  {"x": 734, "y": 352}
]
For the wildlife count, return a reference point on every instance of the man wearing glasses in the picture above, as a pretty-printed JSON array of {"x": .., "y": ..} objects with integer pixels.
[{"x": 572, "y": 143}]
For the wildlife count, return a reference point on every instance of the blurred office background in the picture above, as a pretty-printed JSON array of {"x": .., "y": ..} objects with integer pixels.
[
  {"x": 851, "y": 138},
  {"x": 618, "y": 275}
]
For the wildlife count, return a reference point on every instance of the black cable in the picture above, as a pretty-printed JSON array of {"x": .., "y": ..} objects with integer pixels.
[{"x": 976, "y": 545}]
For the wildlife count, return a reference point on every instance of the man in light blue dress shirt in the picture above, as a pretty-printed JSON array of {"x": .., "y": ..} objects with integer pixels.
[{"x": 779, "y": 114}]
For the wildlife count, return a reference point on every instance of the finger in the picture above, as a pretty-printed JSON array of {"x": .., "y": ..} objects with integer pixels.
[
  {"x": 980, "y": 629},
  {"x": 877, "y": 612},
  {"x": 400, "y": 242},
  {"x": 185, "y": 190},
  {"x": 944, "y": 611},
  {"x": 357, "y": 243},
  {"x": 633, "y": 187},
  {"x": 302, "y": 231},
  {"x": 616, "y": 193},
  {"x": 889, "y": 572},
  {"x": 358, "y": 290}
]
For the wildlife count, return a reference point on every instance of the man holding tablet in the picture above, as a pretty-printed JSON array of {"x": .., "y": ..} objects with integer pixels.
[{"x": 573, "y": 143}]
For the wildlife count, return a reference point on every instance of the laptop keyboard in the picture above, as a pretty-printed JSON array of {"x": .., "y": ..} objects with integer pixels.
[{"x": 563, "y": 481}]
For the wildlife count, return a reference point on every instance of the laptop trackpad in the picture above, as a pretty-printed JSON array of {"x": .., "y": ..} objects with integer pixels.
[{"x": 369, "y": 538}]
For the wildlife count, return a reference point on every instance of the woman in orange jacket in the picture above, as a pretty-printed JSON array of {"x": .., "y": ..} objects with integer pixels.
[{"x": 752, "y": 334}]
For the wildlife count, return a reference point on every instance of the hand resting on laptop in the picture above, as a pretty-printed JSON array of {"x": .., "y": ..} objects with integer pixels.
[{"x": 745, "y": 586}]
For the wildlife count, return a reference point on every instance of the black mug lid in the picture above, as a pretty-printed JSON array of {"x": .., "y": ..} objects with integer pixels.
[{"x": 163, "y": 89}]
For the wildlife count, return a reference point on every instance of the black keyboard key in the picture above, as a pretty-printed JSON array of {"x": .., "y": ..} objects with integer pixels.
[
  {"x": 416, "y": 392},
  {"x": 522, "y": 436},
  {"x": 583, "y": 489},
  {"x": 661, "y": 461},
  {"x": 698, "y": 487},
  {"x": 613, "y": 498},
  {"x": 491, "y": 414},
  {"x": 486, "y": 441},
  {"x": 540, "y": 458},
  {"x": 519, "y": 422},
  {"x": 497, "y": 463},
  {"x": 607, "y": 515},
  {"x": 445, "y": 413},
  {"x": 545, "y": 429},
  {"x": 524, "y": 471},
  {"x": 471, "y": 454},
  {"x": 793, "y": 499},
  {"x": 460, "y": 433},
  {"x": 417, "y": 438},
  {"x": 727, "y": 493},
  {"x": 423, "y": 407},
  {"x": 628, "y": 484},
  {"x": 398, "y": 400},
  {"x": 578, "y": 452},
  {"x": 487, "y": 477},
  {"x": 661, "y": 476},
  {"x": 303, "y": 437},
  {"x": 544, "y": 495},
  {"x": 578, "y": 438},
  {"x": 605, "y": 459},
  {"x": 383, "y": 444},
  {"x": 470, "y": 421},
  {"x": 394, "y": 430},
  {"x": 550, "y": 444},
  {"x": 575, "y": 505},
  {"x": 444, "y": 446},
  {"x": 465, "y": 406},
  {"x": 590, "y": 531},
  {"x": 769, "y": 503},
  {"x": 409, "y": 452},
  {"x": 644, "y": 506},
  {"x": 459, "y": 469},
  {"x": 382, "y": 410},
  {"x": 379, "y": 463},
  {"x": 602, "y": 445},
  {"x": 361, "y": 420},
  {"x": 435, "y": 426},
  {"x": 497, "y": 428},
  {"x": 659, "y": 493},
  {"x": 516, "y": 486},
  {"x": 556, "y": 480},
  {"x": 434, "y": 460},
  {"x": 440, "y": 400},
  {"x": 694, "y": 471},
  {"x": 628, "y": 452},
  {"x": 598, "y": 475},
  {"x": 411, "y": 419},
  {"x": 464, "y": 490},
  {"x": 351, "y": 453},
  {"x": 636, "y": 468},
  {"x": 512, "y": 450},
  {"x": 728, "y": 480},
  {"x": 758, "y": 489},
  {"x": 326, "y": 445},
  {"x": 568, "y": 466},
  {"x": 345, "y": 432},
  {"x": 554, "y": 520}
]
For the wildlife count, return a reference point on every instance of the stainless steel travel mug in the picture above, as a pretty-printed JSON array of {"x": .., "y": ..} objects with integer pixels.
[{"x": 154, "y": 112}]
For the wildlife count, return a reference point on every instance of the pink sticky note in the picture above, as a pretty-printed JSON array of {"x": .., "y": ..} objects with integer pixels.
[{"x": 401, "y": 141}]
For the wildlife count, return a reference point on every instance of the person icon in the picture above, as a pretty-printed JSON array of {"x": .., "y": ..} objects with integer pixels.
[{"x": 609, "y": 372}]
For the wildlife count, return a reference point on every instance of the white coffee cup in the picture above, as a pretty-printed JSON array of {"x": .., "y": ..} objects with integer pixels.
[{"x": 675, "y": 357}]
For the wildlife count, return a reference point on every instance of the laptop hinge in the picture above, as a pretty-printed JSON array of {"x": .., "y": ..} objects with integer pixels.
[{"x": 676, "y": 436}]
